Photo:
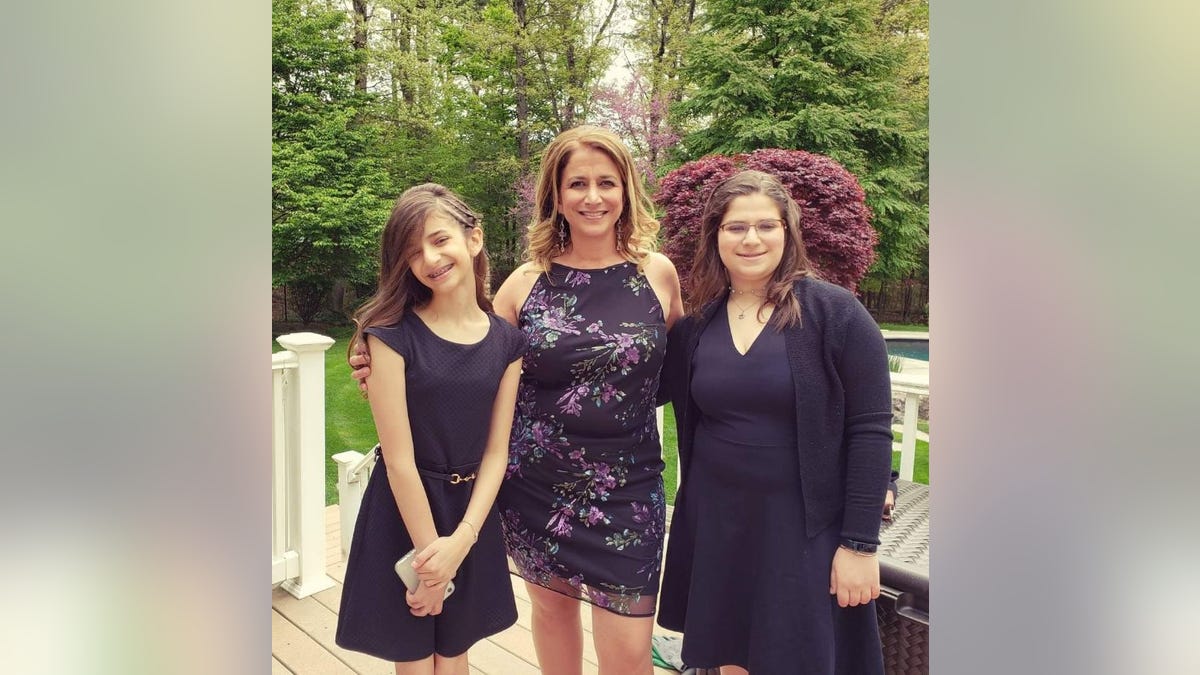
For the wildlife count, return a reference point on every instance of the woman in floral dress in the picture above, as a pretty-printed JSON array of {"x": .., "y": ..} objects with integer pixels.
[{"x": 582, "y": 503}]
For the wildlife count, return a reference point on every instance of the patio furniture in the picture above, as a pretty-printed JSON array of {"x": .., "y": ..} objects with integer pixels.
[{"x": 903, "y": 604}]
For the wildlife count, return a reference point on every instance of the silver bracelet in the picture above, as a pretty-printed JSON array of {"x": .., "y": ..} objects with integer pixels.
[{"x": 474, "y": 532}]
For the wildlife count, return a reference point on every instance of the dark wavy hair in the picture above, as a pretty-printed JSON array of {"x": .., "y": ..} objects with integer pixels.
[
  {"x": 398, "y": 289},
  {"x": 710, "y": 278}
]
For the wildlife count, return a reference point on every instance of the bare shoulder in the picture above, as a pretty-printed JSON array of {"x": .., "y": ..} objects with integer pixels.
[
  {"x": 664, "y": 279},
  {"x": 661, "y": 273},
  {"x": 515, "y": 289},
  {"x": 658, "y": 263}
]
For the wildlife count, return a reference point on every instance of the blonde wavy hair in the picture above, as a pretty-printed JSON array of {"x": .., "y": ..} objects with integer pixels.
[{"x": 637, "y": 228}]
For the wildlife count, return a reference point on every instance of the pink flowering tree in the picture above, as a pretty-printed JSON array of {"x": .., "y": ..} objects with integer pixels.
[
  {"x": 636, "y": 118},
  {"x": 522, "y": 212},
  {"x": 640, "y": 119},
  {"x": 834, "y": 216}
]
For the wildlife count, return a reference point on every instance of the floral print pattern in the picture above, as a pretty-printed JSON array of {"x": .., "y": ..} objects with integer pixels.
[{"x": 582, "y": 504}]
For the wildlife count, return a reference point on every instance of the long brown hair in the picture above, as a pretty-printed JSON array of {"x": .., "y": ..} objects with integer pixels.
[
  {"x": 710, "y": 278},
  {"x": 637, "y": 227},
  {"x": 398, "y": 289}
]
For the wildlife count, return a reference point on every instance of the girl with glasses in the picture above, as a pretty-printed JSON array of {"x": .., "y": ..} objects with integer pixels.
[{"x": 781, "y": 392}]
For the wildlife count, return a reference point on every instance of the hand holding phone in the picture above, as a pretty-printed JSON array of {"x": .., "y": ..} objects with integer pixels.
[{"x": 408, "y": 575}]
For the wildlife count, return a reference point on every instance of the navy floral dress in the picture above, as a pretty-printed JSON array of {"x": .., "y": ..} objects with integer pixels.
[{"x": 582, "y": 504}]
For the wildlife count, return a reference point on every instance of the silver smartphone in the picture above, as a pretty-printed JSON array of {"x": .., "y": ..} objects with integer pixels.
[{"x": 408, "y": 575}]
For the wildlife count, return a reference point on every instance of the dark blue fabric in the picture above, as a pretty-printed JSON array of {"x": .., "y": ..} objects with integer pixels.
[
  {"x": 756, "y": 525},
  {"x": 450, "y": 392}
]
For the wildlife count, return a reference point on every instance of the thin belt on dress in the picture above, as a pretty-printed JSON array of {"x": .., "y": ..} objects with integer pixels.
[{"x": 468, "y": 470}]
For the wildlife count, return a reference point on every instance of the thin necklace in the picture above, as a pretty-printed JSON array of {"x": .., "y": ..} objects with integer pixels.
[{"x": 742, "y": 310}]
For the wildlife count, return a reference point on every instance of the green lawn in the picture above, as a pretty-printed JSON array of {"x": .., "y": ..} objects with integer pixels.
[
  {"x": 921, "y": 469},
  {"x": 670, "y": 453},
  {"x": 905, "y": 326}
]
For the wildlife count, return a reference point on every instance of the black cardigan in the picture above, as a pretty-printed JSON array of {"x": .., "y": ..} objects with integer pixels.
[{"x": 840, "y": 373}]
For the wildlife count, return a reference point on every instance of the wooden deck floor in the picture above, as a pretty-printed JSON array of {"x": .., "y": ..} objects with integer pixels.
[{"x": 302, "y": 631}]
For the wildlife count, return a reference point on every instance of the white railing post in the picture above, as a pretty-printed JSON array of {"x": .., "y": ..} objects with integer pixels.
[
  {"x": 354, "y": 470},
  {"x": 285, "y": 564},
  {"x": 908, "y": 442},
  {"x": 912, "y": 388},
  {"x": 306, "y": 463}
]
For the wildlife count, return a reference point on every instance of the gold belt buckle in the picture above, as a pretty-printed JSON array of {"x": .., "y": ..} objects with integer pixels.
[{"x": 455, "y": 479}]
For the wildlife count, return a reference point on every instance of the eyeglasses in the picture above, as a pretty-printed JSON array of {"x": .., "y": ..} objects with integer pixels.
[{"x": 764, "y": 228}]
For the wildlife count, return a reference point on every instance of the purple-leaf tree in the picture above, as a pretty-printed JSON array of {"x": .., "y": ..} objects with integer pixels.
[{"x": 834, "y": 216}]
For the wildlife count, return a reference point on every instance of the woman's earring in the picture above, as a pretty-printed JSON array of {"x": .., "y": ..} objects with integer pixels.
[
  {"x": 620, "y": 244},
  {"x": 562, "y": 234}
]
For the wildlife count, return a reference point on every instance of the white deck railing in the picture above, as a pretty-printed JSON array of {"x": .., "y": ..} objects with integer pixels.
[
  {"x": 913, "y": 389},
  {"x": 298, "y": 464},
  {"x": 354, "y": 470}
]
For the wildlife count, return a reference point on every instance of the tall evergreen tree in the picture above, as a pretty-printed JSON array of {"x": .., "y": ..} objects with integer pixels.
[
  {"x": 820, "y": 76},
  {"x": 329, "y": 196}
]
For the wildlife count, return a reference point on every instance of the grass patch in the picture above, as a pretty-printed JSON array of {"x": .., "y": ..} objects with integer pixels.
[
  {"x": 670, "y": 451},
  {"x": 905, "y": 326},
  {"x": 921, "y": 466},
  {"x": 348, "y": 422}
]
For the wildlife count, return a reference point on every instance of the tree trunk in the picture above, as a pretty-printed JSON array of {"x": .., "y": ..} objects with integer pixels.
[
  {"x": 568, "y": 113},
  {"x": 360, "y": 44},
  {"x": 394, "y": 79},
  {"x": 521, "y": 84}
]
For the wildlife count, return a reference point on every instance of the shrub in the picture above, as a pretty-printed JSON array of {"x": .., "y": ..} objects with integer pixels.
[{"x": 834, "y": 216}]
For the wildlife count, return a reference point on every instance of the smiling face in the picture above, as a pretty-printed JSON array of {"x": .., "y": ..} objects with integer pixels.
[
  {"x": 441, "y": 257},
  {"x": 591, "y": 193},
  {"x": 751, "y": 258}
]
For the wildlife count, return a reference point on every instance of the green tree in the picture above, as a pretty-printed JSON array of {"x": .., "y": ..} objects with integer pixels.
[
  {"x": 329, "y": 195},
  {"x": 907, "y": 23},
  {"x": 820, "y": 76},
  {"x": 657, "y": 41},
  {"x": 517, "y": 74}
]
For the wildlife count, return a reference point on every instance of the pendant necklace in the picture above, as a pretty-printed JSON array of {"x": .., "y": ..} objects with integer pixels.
[{"x": 742, "y": 310}]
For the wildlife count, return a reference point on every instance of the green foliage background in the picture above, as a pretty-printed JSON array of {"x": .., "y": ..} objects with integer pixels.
[{"x": 467, "y": 92}]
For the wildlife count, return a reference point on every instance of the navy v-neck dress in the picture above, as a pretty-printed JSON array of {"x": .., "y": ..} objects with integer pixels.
[{"x": 759, "y": 588}]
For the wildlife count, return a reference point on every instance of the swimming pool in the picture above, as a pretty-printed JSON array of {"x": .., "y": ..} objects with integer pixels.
[{"x": 908, "y": 348}]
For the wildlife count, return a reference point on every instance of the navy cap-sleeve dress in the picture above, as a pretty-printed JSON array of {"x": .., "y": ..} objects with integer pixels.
[{"x": 450, "y": 391}]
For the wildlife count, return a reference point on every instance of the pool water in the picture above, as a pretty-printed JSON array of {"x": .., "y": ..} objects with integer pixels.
[{"x": 910, "y": 349}]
